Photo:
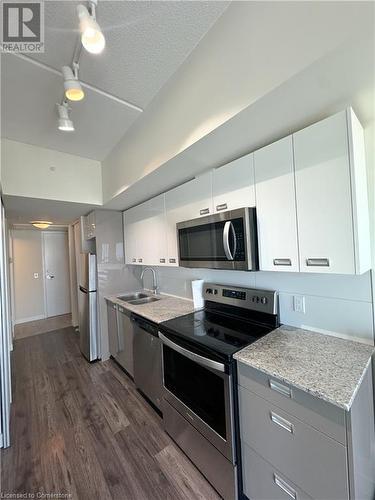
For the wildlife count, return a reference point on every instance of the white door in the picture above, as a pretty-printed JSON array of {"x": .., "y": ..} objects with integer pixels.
[
  {"x": 323, "y": 193},
  {"x": 276, "y": 207},
  {"x": 233, "y": 184},
  {"x": 56, "y": 273}
]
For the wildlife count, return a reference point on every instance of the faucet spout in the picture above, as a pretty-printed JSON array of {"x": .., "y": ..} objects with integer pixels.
[{"x": 155, "y": 286}]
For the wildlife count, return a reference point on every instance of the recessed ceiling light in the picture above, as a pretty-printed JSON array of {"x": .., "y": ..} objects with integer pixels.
[
  {"x": 65, "y": 123},
  {"x": 92, "y": 37},
  {"x": 72, "y": 86},
  {"x": 41, "y": 224}
]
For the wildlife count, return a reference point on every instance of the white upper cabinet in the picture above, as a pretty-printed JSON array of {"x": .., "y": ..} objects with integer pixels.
[
  {"x": 233, "y": 184},
  {"x": 151, "y": 240},
  {"x": 276, "y": 207},
  {"x": 331, "y": 194},
  {"x": 188, "y": 201},
  {"x": 131, "y": 218}
]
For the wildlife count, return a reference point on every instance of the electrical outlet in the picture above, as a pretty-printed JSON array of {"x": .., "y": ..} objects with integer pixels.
[
  {"x": 299, "y": 304},
  {"x": 36, "y": 275}
]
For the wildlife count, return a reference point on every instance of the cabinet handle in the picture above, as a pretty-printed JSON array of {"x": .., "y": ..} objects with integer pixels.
[
  {"x": 162, "y": 261},
  {"x": 317, "y": 262},
  {"x": 140, "y": 260},
  {"x": 204, "y": 211},
  {"x": 284, "y": 486},
  {"x": 223, "y": 206},
  {"x": 134, "y": 260},
  {"x": 282, "y": 262},
  {"x": 172, "y": 261},
  {"x": 281, "y": 422},
  {"x": 280, "y": 388}
]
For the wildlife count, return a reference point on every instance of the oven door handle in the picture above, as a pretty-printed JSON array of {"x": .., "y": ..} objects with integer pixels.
[
  {"x": 201, "y": 360},
  {"x": 228, "y": 227}
]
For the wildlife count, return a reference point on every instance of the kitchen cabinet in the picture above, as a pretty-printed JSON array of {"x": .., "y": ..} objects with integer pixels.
[
  {"x": 90, "y": 226},
  {"x": 331, "y": 195},
  {"x": 112, "y": 328},
  {"x": 296, "y": 445},
  {"x": 233, "y": 184},
  {"x": 276, "y": 207},
  {"x": 188, "y": 201},
  {"x": 87, "y": 245},
  {"x": 132, "y": 223}
]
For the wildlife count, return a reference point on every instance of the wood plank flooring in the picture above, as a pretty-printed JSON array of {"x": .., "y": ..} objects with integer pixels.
[
  {"x": 39, "y": 326},
  {"x": 82, "y": 431}
]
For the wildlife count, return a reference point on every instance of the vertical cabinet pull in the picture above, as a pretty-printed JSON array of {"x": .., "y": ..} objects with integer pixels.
[
  {"x": 284, "y": 486},
  {"x": 282, "y": 262},
  {"x": 223, "y": 206},
  {"x": 281, "y": 422},
  {"x": 317, "y": 262},
  {"x": 280, "y": 388},
  {"x": 204, "y": 211}
]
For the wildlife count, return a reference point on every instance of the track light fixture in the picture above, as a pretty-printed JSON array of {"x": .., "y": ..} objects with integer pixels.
[
  {"x": 72, "y": 86},
  {"x": 65, "y": 123},
  {"x": 92, "y": 37}
]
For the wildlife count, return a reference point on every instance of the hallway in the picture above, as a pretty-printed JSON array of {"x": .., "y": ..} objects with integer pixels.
[
  {"x": 39, "y": 326},
  {"x": 82, "y": 431}
]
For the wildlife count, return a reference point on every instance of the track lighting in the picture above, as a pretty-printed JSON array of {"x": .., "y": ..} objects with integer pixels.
[
  {"x": 65, "y": 123},
  {"x": 72, "y": 86},
  {"x": 92, "y": 37}
]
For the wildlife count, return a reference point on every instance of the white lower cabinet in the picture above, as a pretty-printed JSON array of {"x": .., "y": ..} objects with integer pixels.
[
  {"x": 233, "y": 185},
  {"x": 276, "y": 207}
]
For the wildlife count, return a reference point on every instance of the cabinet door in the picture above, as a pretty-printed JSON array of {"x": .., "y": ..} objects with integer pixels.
[
  {"x": 131, "y": 218},
  {"x": 233, "y": 184},
  {"x": 151, "y": 232},
  {"x": 323, "y": 193},
  {"x": 276, "y": 207},
  {"x": 188, "y": 201}
]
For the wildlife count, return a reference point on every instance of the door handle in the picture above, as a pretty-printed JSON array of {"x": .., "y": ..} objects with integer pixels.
[
  {"x": 204, "y": 211},
  {"x": 281, "y": 422},
  {"x": 228, "y": 226},
  {"x": 50, "y": 276},
  {"x": 284, "y": 486},
  {"x": 223, "y": 206},
  {"x": 282, "y": 262},
  {"x": 317, "y": 262}
]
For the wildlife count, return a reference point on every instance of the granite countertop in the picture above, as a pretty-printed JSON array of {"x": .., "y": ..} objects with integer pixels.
[
  {"x": 168, "y": 307},
  {"x": 327, "y": 367}
]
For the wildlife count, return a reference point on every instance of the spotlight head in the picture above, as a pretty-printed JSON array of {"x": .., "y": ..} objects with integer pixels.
[
  {"x": 92, "y": 37},
  {"x": 65, "y": 123},
  {"x": 72, "y": 86}
]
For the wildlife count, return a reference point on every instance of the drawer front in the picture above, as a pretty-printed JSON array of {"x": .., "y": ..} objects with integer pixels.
[
  {"x": 261, "y": 481},
  {"x": 325, "y": 417},
  {"x": 312, "y": 460}
]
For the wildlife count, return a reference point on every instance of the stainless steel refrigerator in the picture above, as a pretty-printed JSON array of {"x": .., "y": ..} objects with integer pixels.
[{"x": 87, "y": 304}]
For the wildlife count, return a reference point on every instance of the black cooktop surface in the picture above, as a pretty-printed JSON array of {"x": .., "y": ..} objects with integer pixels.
[{"x": 213, "y": 334}]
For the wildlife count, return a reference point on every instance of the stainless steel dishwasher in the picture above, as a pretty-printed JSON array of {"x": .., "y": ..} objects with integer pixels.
[
  {"x": 125, "y": 339},
  {"x": 147, "y": 360},
  {"x": 112, "y": 328}
]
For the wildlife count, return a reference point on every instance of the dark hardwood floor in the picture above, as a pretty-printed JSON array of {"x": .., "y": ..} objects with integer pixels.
[{"x": 82, "y": 431}]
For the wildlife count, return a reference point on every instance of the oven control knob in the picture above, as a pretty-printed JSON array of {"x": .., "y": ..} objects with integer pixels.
[
  {"x": 208, "y": 290},
  {"x": 215, "y": 292},
  {"x": 264, "y": 300},
  {"x": 257, "y": 299}
]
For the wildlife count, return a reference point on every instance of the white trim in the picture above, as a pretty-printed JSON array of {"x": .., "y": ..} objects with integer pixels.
[
  {"x": 44, "y": 275},
  {"x": 31, "y": 318},
  {"x": 1, "y": 440}
]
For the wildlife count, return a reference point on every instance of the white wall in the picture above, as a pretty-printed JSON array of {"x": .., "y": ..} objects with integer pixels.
[
  {"x": 252, "y": 49},
  {"x": 27, "y": 260},
  {"x": 337, "y": 304},
  {"x": 44, "y": 173}
]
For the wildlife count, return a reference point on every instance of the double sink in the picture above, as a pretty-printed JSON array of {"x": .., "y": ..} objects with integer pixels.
[{"x": 138, "y": 298}]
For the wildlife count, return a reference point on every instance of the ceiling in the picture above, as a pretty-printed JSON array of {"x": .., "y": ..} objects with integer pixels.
[
  {"x": 145, "y": 44},
  {"x": 20, "y": 210}
]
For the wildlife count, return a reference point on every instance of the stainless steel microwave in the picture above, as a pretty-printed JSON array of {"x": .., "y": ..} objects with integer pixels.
[{"x": 226, "y": 240}]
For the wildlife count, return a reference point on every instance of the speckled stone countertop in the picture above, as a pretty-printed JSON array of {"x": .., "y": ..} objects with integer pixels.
[
  {"x": 327, "y": 367},
  {"x": 168, "y": 307}
]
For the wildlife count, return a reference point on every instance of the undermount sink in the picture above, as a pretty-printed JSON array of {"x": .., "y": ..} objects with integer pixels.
[
  {"x": 145, "y": 300},
  {"x": 133, "y": 296}
]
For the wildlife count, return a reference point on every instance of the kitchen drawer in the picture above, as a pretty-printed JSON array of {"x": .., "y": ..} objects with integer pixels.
[
  {"x": 312, "y": 460},
  {"x": 261, "y": 481},
  {"x": 324, "y": 416}
]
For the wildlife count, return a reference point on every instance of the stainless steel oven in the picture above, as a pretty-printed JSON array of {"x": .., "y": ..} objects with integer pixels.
[
  {"x": 227, "y": 240},
  {"x": 198, "y": 412}
]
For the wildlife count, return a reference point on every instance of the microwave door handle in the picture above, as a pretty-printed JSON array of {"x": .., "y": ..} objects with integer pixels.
[
  {"x": 228, "y": 227},
  {"x": 201, "y": 360}
]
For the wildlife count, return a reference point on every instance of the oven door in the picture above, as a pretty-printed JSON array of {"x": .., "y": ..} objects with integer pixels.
[
  {"x": 200, "y": 390},
  {"x": 226, "y": 240}
]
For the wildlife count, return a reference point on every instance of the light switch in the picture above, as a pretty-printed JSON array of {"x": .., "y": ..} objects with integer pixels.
[
  {"x": 36, "y": 275},
  {"x": 299, "y": 304}
]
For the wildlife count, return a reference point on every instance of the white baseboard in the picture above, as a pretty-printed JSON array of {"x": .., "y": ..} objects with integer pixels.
[{"x": 26, "y": 320}]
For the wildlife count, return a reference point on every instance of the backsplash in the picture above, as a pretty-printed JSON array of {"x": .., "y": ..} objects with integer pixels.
[{"x": 334, "y": 304}]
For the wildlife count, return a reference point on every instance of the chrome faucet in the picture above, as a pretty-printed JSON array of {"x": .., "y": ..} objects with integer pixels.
[{"x": 155, "y": 286}]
